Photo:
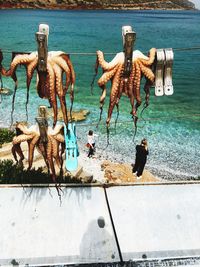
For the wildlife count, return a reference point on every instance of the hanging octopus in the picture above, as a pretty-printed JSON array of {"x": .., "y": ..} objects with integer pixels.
[
  {"x": 47, "y": 143},
  {"x": 114, "y": 71},
  {"x": 49, "y": 83},
  {"x": 2, "y": 70}
]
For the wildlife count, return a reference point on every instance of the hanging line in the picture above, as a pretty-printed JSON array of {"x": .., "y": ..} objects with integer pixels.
[{"x": 178, "y": 49}]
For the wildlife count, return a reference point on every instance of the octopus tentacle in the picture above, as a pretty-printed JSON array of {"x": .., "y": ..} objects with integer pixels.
[
  {"x": 147, "y": 72},
  {"x": 120, "y": 91},
  {"x": 147, "y": 86},
  {"x": 23, "y": 128},
  {"x": 20, "y": 59},
  {"x": 50, "y": 158},
  {"x": 137, "y": 84},
  {"x": 63, "y": 64},
  {"x": 29, "y": 74},
  {"x": 30, "y": 70},
  {"x": 16, "y": 149},
  {"x": 119, "y": 58},
  {"x": 125, "y": 87},
  {"x": 73, "y": 76},
  {"x": 52, "y": 91},
  {"x": 95, "y": 74},
  {"x": 55, "y": 150},
  {"x": 59, "y": 137},
  {"x": 58, "y": 129},
  {"x": 58, "y": 78},
  {"x": 152, "y": 54},
  {"x": 60, "y": 91},
  {"x": 31, "y": 145},
  {"x": 121, "y": 87},
  {"x": 42, "y": 150},
  {"x": 13, "y": 98},
  {"x": 70, "y": 80},
  {"x": 131, "y": 89},
  {"x": 114, "y": 93},
  {"x": 103, "y": 96},
  {"x": 43, "y": 84},
  {"x": 102, "y": 101},
  {"x": 107, "y": 76},
  {"x": 2, "y": 69},
  {"x": 22, "y": 138}
]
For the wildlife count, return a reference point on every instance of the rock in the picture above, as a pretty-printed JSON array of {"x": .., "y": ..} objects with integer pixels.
[
  {"x": 78, "y": 115},
  {"x": 86, "y": 177},
  {"x": 97, "y": 4},
  {"x": 5, "y": 91},
  {"x": 122, "y": 173}
]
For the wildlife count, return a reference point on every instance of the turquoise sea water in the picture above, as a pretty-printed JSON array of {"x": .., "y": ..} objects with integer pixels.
[{"x": 170, "y": 124}]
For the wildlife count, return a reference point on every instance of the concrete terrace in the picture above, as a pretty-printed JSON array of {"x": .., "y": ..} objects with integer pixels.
[{"x": 124, "y": 225}]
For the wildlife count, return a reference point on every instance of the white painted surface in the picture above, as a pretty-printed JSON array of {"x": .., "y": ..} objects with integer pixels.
[
  {"x": 160, "y": 221},
  {"x": 197, "y": 3},
  {"x": 36, "y": 229},
  {"x": 151, "y": 222}
]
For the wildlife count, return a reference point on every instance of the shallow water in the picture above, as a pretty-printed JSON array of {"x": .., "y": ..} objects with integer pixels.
[{"x": 171, "y": 124}]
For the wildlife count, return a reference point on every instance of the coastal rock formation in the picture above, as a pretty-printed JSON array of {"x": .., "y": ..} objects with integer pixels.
[
  {"x": 78, "y": 115},
  {"x": 118, "y": 173},
  {"x": 98, "y": 4}
]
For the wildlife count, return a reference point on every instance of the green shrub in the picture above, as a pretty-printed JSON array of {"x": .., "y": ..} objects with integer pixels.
[
  {"x": 11, "y": 173},
  {"x": 6, "y": 136}
]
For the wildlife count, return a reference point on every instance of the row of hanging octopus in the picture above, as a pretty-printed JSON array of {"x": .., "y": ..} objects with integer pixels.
[{"x": 50, "y": 86}]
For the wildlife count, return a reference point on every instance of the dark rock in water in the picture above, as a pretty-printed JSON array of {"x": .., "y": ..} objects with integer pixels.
[{"x": 5, "y": 91}]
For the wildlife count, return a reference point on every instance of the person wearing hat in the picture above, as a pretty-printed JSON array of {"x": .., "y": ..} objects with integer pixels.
[{"x": 141, "y": 158}]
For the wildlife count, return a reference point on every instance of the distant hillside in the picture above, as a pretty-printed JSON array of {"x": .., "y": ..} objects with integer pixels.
[{"x": 98, "y": 4}]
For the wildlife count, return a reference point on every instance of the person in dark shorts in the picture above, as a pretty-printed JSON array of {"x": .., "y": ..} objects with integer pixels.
[{"x": 141, "y": 158}]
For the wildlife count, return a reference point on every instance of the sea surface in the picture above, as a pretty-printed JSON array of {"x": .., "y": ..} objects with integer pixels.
[{"x": 170, "y": 123}]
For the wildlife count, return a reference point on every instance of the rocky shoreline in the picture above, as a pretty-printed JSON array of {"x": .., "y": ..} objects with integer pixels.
[{"x": 98, "y": 5}]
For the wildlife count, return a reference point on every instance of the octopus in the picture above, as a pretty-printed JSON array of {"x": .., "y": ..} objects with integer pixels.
[
  {"x": 46, "y": 139},
  {"x": 121, "y": 83},
  {"x": 2, "y": 70},
  {"x": 49, "y": 83}
]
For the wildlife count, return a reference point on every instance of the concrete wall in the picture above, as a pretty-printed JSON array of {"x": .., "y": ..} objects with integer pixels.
[
  {"x": 36, "y": 228},
  {"x": 152, "y": 222}
]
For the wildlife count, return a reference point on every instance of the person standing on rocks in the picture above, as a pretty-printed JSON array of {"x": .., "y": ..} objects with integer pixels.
[
  {"x": 91, "y": 143},
  {"x": 141, "y": 158}
]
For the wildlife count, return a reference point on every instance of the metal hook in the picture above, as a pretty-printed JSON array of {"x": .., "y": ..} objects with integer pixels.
[
  {"x": 129, "y": 38},
  {"x": 160, "y": 62},
  {"x": 41, "y": 39},
  {"x": 168, "y": 86},
  {"x": 43, "y": 127}
]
